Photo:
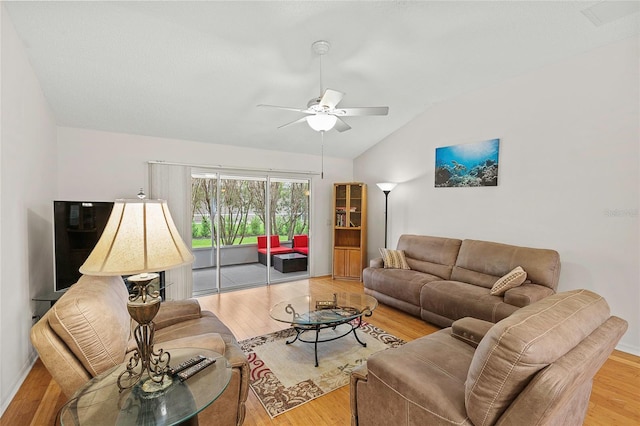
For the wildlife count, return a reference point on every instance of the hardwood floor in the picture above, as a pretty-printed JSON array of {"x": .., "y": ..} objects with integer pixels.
[{"x": 615, "y": 399}]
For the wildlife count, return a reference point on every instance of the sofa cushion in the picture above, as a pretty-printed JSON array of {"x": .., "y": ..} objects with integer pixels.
[
  {"x": 526, "y": 294},
  {"x": 511, "y": 280},
  {"x": 455, "y": 300},
  {"x": 515, "y": 349},
  {"x": 210, "y": 341},
  {"x": 208, "y": 323},
  {"x": 92, "y": 319},
  {"x": 175, "y": 311},
  {"x": 277, "y": 250},
  {"x": 393, "y": 259},
  {"x": 429, "y": 373},
  {"x": 300, "y": 241},
  {"x": 482, "y": 263},
  {"x": 432, "y": 255},
  {"x": 401, "y": 284},
  {"x": 302, "y": 250},
  {"x": 262, "y": 241}
]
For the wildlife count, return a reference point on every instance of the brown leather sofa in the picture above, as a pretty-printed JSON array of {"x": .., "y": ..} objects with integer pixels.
[
  {"x": 535, "y": 367},
  {"x": 451, "y": 279},
  {"x": 89, "y": 331}
]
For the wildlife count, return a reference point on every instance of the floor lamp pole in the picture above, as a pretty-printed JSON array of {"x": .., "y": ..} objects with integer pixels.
[{"x": 386, "y": 203}]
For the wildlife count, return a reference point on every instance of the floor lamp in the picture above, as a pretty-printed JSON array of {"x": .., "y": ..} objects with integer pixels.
[{"x": 386, "y": 187}]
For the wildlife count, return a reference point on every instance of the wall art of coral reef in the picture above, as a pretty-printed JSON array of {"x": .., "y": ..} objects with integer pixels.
[{"x": 471, "y": 164}]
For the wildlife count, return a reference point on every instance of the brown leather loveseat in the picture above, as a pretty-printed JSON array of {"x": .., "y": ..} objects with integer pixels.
[
  {"x": 451, "y": 279},
  {"x": 89, "y": 331},
  {"x": 535, "y": 367}
]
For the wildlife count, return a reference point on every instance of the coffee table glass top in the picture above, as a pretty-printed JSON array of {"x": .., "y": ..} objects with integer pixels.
[
  {"x": 290, "y": 256},
  {"x": 99, "y": 402},
  {"x": 323, "y": 309}
]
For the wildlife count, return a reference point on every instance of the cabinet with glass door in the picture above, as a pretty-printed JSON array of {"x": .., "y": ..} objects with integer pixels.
[{"x": 349, "y": 230}]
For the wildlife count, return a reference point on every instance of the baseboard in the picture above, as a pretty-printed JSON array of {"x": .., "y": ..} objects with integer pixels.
[
  {"x": 633, "y": 350},
  {"x": 23, "y": 375}
]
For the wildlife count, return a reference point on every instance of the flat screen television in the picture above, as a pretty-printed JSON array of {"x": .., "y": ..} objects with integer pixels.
[{"x": 77, "y": 227}]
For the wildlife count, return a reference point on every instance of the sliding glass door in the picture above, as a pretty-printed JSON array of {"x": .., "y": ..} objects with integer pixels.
[
  {"x": 204, "y": 189},
  {"x": 248, "y": 230},
  {"x": 239, "y": 228},
  {"x": 288, "y": 215}
]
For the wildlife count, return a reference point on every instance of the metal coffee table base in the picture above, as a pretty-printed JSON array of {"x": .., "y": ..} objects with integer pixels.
[
  {"x": 322, "y": 311},
  {"x": 355, "y": 324}
]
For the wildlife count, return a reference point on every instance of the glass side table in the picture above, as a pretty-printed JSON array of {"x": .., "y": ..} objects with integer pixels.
[{"x": 100, "y": 403}]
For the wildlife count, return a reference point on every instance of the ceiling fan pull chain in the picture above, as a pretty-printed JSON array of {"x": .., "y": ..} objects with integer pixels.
[{"x": 322, "y": 156}]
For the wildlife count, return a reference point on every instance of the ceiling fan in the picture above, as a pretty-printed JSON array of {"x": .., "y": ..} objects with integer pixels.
[{"x": 322, "y": 113}]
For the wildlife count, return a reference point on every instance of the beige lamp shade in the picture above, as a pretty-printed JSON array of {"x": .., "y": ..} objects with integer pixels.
[{"x": 140, "y": 236}]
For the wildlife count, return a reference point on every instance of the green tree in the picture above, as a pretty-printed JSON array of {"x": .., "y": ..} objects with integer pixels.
[
  {"x": 258, "y": 189},
  {"x": 202, "y": 197},
  {"x": 236, "y": 201},
  {"x": 288, "y": 208},
  {"x": 295, "y": 208}
]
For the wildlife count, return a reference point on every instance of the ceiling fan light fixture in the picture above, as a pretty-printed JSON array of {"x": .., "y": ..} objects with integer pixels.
[
  {"x": 322, "y": 122},
  {"x": 322, "y": 114}
]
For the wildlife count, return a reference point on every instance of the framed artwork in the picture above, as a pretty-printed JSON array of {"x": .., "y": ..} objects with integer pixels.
[{"x": 471, "y": 164}]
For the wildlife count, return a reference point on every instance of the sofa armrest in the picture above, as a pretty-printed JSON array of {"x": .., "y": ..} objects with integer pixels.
[
  {"x": 470, "y": 330},
  {"x": 526, "y": 294},
  {"x": 376, "y": 263},
  {"x": 175, "y": 311},
  {"x": 357, "y": 374},
  {"x": 240, "y": 366}
]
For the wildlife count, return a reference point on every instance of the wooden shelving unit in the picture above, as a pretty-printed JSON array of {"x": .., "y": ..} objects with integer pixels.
[{"x": 349, "y": 230}]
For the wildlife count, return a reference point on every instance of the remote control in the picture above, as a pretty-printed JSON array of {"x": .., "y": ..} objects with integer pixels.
[
  {"x": 186, "y": 364},
  {"x": 184, "y": 375}
]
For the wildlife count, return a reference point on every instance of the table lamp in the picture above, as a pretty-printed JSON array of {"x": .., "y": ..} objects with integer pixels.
[{"x": 140, "y": 238}]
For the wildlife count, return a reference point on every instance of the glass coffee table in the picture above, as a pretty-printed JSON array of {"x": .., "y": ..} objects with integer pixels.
[
  {"x": 318, "y": 312},
  {"x": 100, "y": 403}
]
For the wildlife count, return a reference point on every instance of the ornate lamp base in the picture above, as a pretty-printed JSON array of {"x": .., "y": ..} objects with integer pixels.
[{"x": 143, "y": 307}]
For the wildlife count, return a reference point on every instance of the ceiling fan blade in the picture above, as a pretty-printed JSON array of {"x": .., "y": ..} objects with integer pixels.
[
  {"x": 331, "y": 98},
  {"x": 341, "y": 126},
  {"x": 285, "y": 108},
  {"x": 362, "y": 111},
  {"x": 300, "y": 120}
]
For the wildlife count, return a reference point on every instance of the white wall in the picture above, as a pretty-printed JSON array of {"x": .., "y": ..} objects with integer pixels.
[
  {"x": 103, "y": 166},
  {"x": 568, "y": 178},
  {"x": 27, "y": 186}
]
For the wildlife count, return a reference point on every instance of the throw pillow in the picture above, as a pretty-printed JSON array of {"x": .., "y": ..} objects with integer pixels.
[
  {"x": 394, "y": 259},
  {"x": 510, "y": 280}
]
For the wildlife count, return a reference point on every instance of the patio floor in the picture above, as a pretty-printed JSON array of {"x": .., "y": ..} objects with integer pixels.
[{"x": 238, "y": 276}]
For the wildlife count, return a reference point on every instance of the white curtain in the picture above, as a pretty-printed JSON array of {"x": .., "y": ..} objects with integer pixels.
[{"x": 173, "y": 184}]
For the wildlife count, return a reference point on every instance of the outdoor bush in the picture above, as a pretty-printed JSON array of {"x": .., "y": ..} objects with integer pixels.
[
  {"x": 256, "y": 226},
  {"x": 195, "y": 230},
  {"x": 205, "y": 227}
]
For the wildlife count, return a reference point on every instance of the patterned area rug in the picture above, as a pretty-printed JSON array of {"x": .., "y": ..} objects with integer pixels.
[{"x": 284, "y": 376}]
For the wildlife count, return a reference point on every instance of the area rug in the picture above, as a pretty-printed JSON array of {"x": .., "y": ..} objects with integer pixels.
[{"x": 284, "y": 376}]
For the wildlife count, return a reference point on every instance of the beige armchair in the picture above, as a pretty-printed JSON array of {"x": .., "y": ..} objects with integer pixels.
[
  {"x": 535, "y": 367},
  {"x": 89, "y": 331}
]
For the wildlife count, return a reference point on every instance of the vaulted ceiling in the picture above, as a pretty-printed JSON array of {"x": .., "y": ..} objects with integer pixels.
[{"x": 197, "y": 70}]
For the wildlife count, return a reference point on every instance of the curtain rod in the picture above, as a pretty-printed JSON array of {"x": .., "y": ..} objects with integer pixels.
[{"x": 246, "y": 169}]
